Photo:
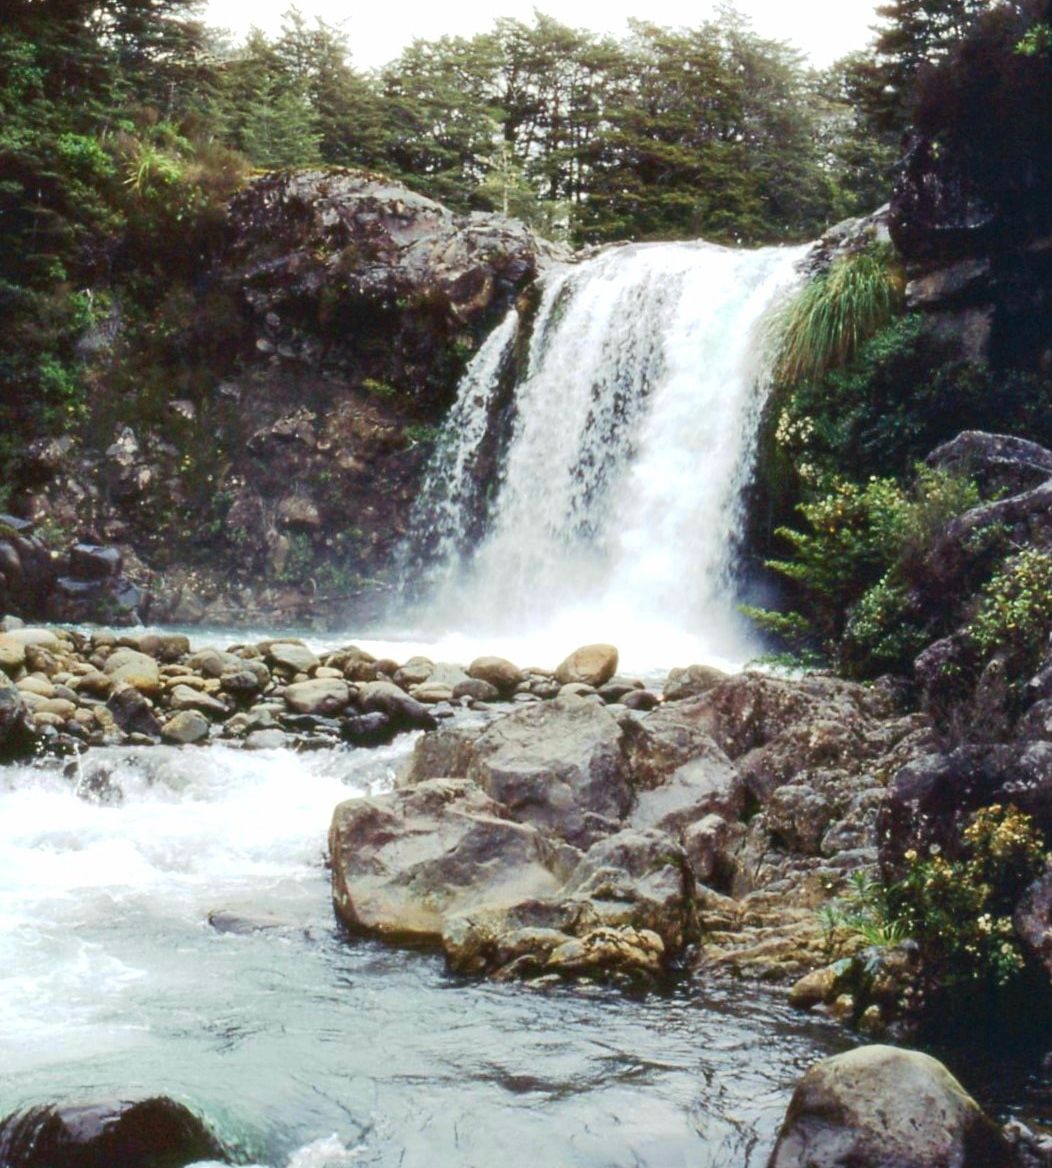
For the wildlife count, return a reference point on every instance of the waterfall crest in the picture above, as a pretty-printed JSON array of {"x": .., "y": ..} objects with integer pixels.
[{"x": 625, "y": 450}]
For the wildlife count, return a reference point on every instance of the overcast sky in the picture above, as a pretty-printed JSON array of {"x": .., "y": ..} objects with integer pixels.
[{"x": 824, "y": 29}]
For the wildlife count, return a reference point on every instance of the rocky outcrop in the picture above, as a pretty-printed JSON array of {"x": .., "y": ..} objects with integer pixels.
[
  {"x": 881, "y": 1107},
  {"x": 725, "y": 817},
  {"x": 332, "y": 331},
  {"x": 978, "y": 257}
]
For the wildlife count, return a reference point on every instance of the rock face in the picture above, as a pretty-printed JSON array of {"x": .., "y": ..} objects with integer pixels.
[
  {"x": 881, "y": 1107},
  {"x": 337, "y": 321},
  {"x": 722, "y": 817},
  {"x": 147, "y": 1134}
]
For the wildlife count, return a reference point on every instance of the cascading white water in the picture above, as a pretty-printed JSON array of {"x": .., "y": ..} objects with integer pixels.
[{"x": 618, "y": 504}]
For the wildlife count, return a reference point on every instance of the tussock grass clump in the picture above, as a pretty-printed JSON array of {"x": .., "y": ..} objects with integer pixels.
[{"x": 823, "y": 326}]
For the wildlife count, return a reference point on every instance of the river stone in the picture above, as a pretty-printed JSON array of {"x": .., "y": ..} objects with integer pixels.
[
  {"x": 387, "y": 698},
  {"x": 477, "y": 690},
  {"x": 185, "y": 727},
  {"x": 291, "y": 656},
  {"x": 132, "y": 712},
  {"x": 432, "y": 693},
  {"x": 691, "y": 682},
  {"x": 323, "y": 696},
  {"x": 414, "y": 672},
  {"x": 210, "y": 662},
  {"x": 133, "y": 668},
  {"x": 185, "y": 697},
  {"x": 45, "y": 638},
  {"x": 881, "y": 1107},
  {"x": 12, "y": 654},
  {"x": 403, "y": 862},
  {"x": 592, "y": 664},
  {"x": 35, "y": 684},
  {"x": 150, "y": 1133},
  {"x": 558, "y": 765},
  {"x": 497, "y": 671}
]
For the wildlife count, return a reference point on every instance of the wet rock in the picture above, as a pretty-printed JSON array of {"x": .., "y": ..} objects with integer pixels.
[
  {"x": 496, "y": 671},
  {"x": 325, "y": 696},
  {"x": 129, "y": 667},
  {"x": 476, "y": 689},
  {"x": 132, "y": 712},
  {"x": 593, "y": 665},
  {"x": 185, "y": 697},
  {"x": 404, "y": 862},
  {"x": 185, "y": 727},
  {"x": 12, "y": 655},
  {"x": 150, "y": 1133},
  {"x": 881, "y": 1107},
  {"x": 367, "y": 729},
  {"x": 291, "y": 657},
  {"x": 691, "y": 682},
  {"x": 92, "y": 562},
  {"x": 12, "y": 717},
  {"x": 402, "y": 711}
]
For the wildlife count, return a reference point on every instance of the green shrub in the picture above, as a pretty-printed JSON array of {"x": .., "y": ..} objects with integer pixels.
[
  {"x": 1015, "y": 609},
  {"x": 824, "y": 325},
  {"x": 853, "y": 568},
  {"x": 959, "y": 911}
]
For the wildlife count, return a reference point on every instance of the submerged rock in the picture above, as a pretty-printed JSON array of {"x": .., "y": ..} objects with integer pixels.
[{"x": 881, "y": 1107}]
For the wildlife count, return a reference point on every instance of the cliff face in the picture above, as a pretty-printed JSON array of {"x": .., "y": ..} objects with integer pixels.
[
  {"x": 979, "y": 262},
  {"x": 342, "y": 311}
]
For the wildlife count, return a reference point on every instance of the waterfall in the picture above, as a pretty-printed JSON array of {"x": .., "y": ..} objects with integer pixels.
[{"x": 623, "y": 454}]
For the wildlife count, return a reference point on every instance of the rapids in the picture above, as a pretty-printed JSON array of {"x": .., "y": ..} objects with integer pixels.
[{"x": 305, "y": 1048}]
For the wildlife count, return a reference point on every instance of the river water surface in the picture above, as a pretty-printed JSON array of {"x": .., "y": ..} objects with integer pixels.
[{"x": 304, "y": 1047}]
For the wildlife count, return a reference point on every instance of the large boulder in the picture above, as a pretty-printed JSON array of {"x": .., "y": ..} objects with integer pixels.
[
  {"x": 405, "y": 862},
  {"x": 151, "y": 1133},
  {"x": 558, "y": 765},
  {"x": 881, "y": 1107},
  {"x": 1033, "y": 922}
]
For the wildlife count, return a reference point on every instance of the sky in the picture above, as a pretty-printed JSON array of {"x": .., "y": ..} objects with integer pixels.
[{"x": 823, "y": 29}]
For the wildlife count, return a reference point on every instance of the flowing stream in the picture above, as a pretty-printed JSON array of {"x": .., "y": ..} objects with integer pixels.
[
  {"x": 305, "y": 1048},
  {"x": 622, "y": 455}
]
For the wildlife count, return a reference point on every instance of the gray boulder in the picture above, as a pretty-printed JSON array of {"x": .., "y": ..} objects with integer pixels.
[
  {"x": 881, "y": 1107},
  {"x": 558, "y": 765},
  {"x": 405, "y": 862}
]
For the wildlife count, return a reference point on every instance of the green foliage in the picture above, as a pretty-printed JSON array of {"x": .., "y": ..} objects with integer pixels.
[
  {"x": 825, "y": 324},
  {"x": 901, "y": 397},
  {"x": 379, "y": 389},
  {"x": 1015, "y": 609},
  {"x": 959, "y": 910},
  {"x": 862, "y": 912},
  {"x": 854, "y": 565}
]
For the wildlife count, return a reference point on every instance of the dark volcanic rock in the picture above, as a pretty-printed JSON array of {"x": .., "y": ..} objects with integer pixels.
[
  {"x": 930, "y": 801},
  {"x": 151, "y": 1133}
]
